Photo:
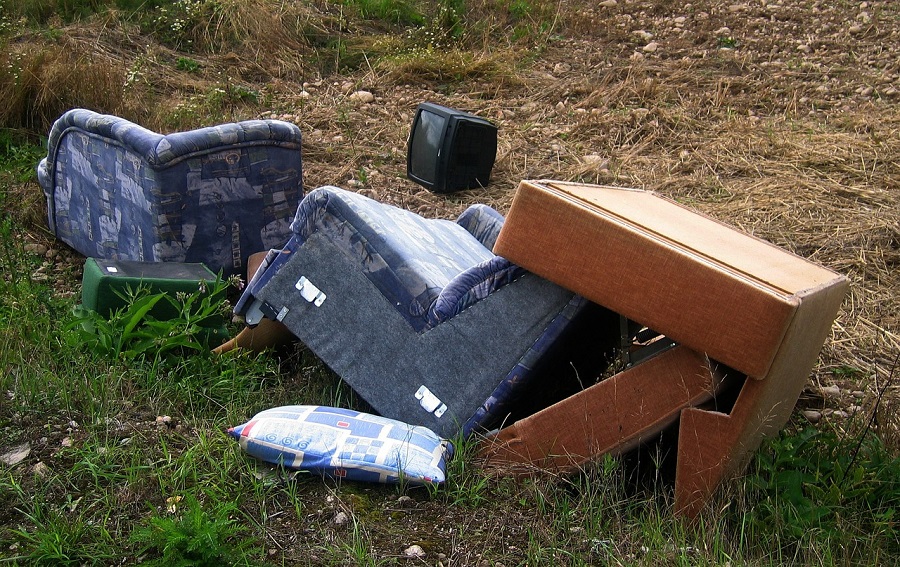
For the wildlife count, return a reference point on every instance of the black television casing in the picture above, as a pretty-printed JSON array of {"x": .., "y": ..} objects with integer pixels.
[{"x": 466, "y": 150}]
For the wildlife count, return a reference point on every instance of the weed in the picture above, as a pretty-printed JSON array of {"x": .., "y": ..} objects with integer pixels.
[
  {"x": 195, "y": 537},
  {"x": 224, "y": 99},
  {"x": 727, "y": 42},
  {"x": 359, "y": 548},
  {"x": 391, "y": 11},
  {"x": 465, "y": 485},
  {"x": 39, "y": 83},
  {"x": 59, "y": 537},
  {"x": 813, "y": 482},
  {"x": 132, "y": 331},
  {"x": 845, "y": 371},
  {"x": 175, "y": 22},
  {"x": 187, "y": 64}
]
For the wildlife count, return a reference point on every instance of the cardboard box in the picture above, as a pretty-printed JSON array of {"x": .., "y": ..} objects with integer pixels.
[{"x": 737, "y": 299}]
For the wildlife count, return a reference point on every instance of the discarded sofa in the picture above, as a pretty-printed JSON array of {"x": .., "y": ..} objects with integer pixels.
[
  {"x": 214, "y": 195},
  {"x": 417, "y": 315},
  {"x": 749, "y": 320}
]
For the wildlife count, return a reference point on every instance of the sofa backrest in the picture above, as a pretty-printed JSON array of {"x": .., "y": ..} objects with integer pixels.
[{"x": 214, "y": 195}]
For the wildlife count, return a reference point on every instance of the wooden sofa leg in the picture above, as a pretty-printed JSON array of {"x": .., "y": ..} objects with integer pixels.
[{"x": 266, "y": 334}]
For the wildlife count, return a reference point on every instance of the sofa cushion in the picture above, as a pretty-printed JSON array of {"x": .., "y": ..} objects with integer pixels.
[{"x": 345, "y": 444}]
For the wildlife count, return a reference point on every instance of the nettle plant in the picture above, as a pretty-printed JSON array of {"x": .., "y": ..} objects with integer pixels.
[
  {"x": 818, "y": 481},
  {"x": 133, "y": 331}
]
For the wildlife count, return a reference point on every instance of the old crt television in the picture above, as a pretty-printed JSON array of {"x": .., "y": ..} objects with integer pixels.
[{"x": 450, "y": 150}]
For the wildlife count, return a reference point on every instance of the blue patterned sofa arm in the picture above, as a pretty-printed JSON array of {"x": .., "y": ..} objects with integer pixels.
[
  {"x": 162, "y": 150},
  {"x": 471, "y": 286},
  {"x": 409, "y": 258},
  {"x": 215, "y": 195},
  {"x": 482, "y": 222}
]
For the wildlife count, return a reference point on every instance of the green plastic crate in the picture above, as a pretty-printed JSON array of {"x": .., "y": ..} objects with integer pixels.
[{"x": 104, "y": 278}]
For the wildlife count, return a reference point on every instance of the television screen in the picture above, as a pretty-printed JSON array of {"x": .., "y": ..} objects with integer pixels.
[
  {"x": 426, "y": 144},
  {"x": 449, "y": 149}
]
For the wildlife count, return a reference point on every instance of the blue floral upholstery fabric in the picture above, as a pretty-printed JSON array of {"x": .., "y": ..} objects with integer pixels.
[
  {"x": 410, "y": 259},
  {"x": 431, "y": 272},
  {"x": 215, "y": 195},
  {"x": 483, "y": 222}
]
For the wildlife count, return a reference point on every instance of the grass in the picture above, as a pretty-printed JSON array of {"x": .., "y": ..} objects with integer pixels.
[{"x": 129, "y": 461}]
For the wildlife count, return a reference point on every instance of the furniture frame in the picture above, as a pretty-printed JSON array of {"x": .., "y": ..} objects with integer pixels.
[{"x": 741, "y": 309}]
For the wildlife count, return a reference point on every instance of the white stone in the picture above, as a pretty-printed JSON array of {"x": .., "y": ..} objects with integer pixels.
[
  {"x": 812, "y": 415},
  {"x": 414, "y": 551},
  {"x": 35, "y": 248},
  {"x": 831, "y": 391},
  {"x": 363, "y": 96},
  {"x": 651, "y": 47},
  {"x": 16, "y": 455},
  {"x": 724, "y": 30},
  {"x": 640, "y": 113},
  {"x": 609, "y": 3},
  {"x": 341, "y": 519}
]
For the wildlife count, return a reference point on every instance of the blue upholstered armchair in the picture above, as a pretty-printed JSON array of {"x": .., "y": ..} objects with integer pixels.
[
  {"x": 215, "y": 195},
  {"x": 417, "y": 315}
]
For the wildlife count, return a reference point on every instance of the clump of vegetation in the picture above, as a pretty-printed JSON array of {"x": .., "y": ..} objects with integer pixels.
[
  {"x": 133, "y": 330},
  {"x": 190, "y": 535},
  {"x": 814, "y": 483}
]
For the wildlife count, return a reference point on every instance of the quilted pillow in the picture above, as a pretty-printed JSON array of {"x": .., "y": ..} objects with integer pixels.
[{"x": 345, "y": 444}]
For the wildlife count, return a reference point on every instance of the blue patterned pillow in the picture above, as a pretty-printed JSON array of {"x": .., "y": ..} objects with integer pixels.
[{"x": 345, "y": 444}]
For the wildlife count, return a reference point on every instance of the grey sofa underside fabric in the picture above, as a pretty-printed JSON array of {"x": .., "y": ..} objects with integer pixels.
[{"x": 373, "y": 348}]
